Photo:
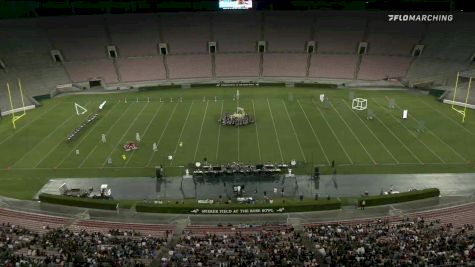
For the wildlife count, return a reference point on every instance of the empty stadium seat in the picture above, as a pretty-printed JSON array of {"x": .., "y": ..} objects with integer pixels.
[
  {"x": 189, "y": 66},
  {"x": 236, "y": 32},
  {"x": 237, "y": 65},
  {"x": 141, "y": 69},
  {"x": 285, "y": 65}
]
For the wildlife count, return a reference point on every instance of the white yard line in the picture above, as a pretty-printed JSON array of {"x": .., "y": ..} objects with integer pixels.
[
  {"x": 295, "y": 132},
  {"x": 275, "y": 131},
  {"x": 333, "y": 132},
  {"x": 415, "y": 136},
  {"x": 257, "y": 132},
  {"x": 371, "y": 131},
  {"x": 449, "y": 146},
  {"x": 163, "y": 132},
  {"x": 54, "y": 147},
  {"x": 181, "y": 132},
  {"x": 400, "y": 141},
  {"x": 125, "y": 133},
  {"x": 107, "y": 132},
  {"x": 436, "y": 136},
  {"x": 219, "y": 132},
  {"x": 135, "y": 167},
  {"x": 145, "y": 131},
  {"x": 85, "y": 137},
  {"x": 201, "y": 130},
  {"x": 314, "y": 133},
  {"x": 28, "y": 124},
  {"x": 447, "y": 116},
  {"x": 353, "y": 133},
  {"x": 408, "y": 164}
]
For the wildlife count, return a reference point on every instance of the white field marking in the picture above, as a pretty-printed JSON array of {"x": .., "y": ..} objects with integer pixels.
[
  {"x": 333, "y": 132},
  {"x": 54, "y": 147},
  {"x": 219, "y": 133},
  {"x": 28, "y": 124},
  {"x": 275, "y": 131},
  {"x": 353, "y": 133},
  {"x": 407, "y": 164},
  {"x": 107, "y": 132},
  {"x": 125, "y": 133},
  {"x": 400, "y": 141},
  {"x": 295, "y": 132},
  {"x": 379, "y": 140},
  {"x": 447, "y": 116},
  {"x": 179, "y": 166},
  {"x": 313, "y": 131},
  {"x": 415, "y": 136},
  {"x": 145, "y": 131},
  {"x": 181, "y": 132},
  {"x": 201, "y": 130},
  {"x": 257, "y": 132},
  {"x": 163, "y": 132},
  {"x": 436, "y": 136},
  {"x": 85, "y": 137}
]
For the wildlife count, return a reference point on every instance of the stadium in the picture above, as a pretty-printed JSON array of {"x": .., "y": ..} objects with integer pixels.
[{"x": 237, "y": 133}]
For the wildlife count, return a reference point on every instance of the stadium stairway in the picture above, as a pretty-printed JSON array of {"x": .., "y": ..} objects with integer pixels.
[{"x": 172, "y": 240}]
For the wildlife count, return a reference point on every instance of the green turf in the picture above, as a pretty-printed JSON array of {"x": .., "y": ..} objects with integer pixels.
[{"x": 298, "y": 127}]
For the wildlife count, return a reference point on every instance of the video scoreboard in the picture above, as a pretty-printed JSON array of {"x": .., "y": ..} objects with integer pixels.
[{"x": 235, "y": 4}]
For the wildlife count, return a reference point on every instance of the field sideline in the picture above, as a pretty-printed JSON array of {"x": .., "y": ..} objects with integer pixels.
[{"x": 291, "y": 123}]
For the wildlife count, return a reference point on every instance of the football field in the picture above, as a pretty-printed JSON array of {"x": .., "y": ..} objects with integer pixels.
[{"x": 291, "y": 123}]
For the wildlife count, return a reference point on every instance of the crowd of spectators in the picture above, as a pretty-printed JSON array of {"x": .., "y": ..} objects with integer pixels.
[
  {"x": 264, "y": 248},
  {"x": 60, "y": 247},
  {"x": 408, "y": 243}
]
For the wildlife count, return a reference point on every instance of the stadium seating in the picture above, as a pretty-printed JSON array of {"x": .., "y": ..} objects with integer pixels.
[
  {"x": 237, "y": 65},
  {"x": 134, "y": 35},
  {"x": 391, "y": 44},
  {"x": 432, "y": 69},
  {"x": 23, "y": 44},
  {"x": 381, "y": 67},
  {"x": 35, "y": 80},
  {"x": 244, "y": 243},
  {"x": 339, "y": 32},
  {"x": 333, "y": 66},
  {"x": 186, "y": 32},
  {"x": 82, "y": 71},
  {"x": 287, "y": 31},
  {"x": 141, "y": 69},
  {"x": 202, "y": 230},
  {"x": 38, "y": 223},
  {"x": 388, "y": 38},
  {"x": 78, "y": 38},
  {"x": 451, "y": 41},
  {"x": 284, "y": 65},
  {"x": 189, "y": 66},
  {"x": 31, "y": 221},
  {"x": 25, "y": 50},
  {"x": 236, "y": 32},
  {"x": 26, "y": 46}
]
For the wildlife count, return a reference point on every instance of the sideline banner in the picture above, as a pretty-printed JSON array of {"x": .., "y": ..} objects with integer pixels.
[
  {"x": 225, "y": 84},
  {"x": 238, "y": 211}
]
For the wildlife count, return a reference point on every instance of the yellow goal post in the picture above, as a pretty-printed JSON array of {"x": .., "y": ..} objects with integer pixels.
[
  {"x": 14, "y": 110},
  {"x": 461, "y": 94}
]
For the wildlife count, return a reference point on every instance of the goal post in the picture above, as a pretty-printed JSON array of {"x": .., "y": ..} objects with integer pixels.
[
  {"x": 16, "y": 117},
  {"x": 461, "y": 93}
]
